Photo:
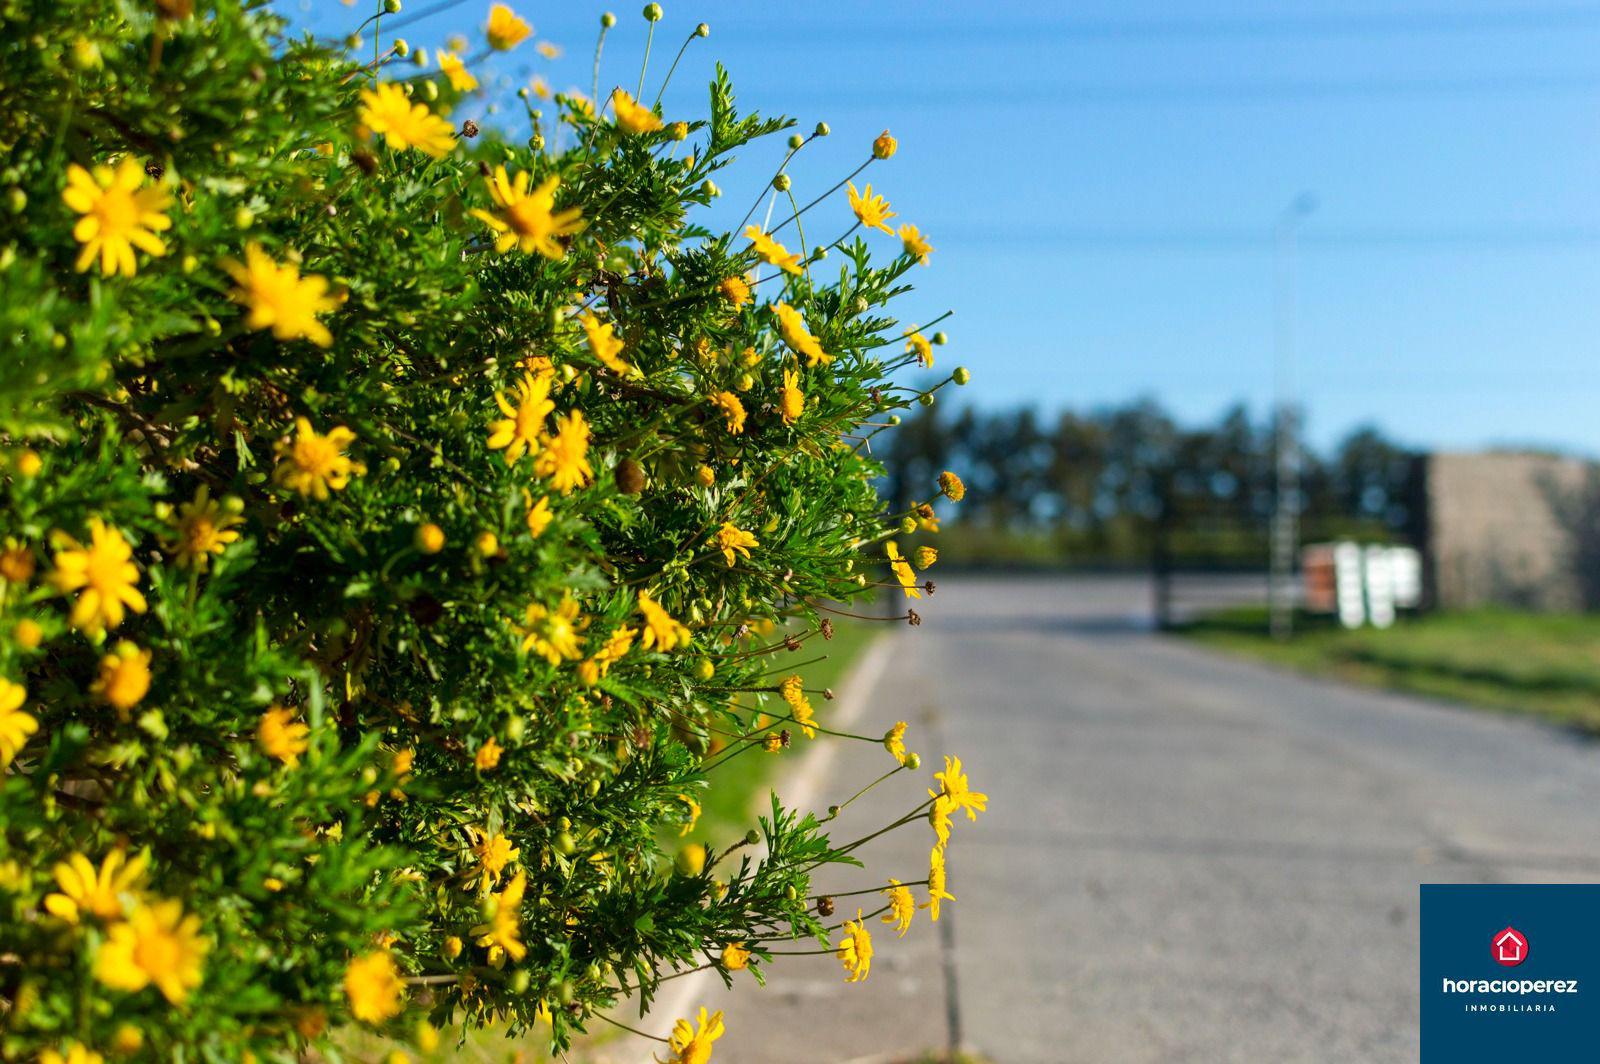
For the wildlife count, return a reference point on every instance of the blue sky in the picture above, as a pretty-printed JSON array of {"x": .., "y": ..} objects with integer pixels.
[{"x": 1100, "y": 181}]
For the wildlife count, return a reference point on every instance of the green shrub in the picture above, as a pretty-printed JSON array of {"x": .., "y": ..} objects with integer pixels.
[{"x": 400, "y": 527}]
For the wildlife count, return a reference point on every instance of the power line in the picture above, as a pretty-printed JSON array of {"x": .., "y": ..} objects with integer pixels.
[
  {"x": 1364, "y": 24},
  {"x": 877, "y": 98},
  {"x": 1087, "y": 238}
]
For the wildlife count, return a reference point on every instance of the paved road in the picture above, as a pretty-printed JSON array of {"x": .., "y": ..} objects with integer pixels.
[{"x": 1186, "y": 858}]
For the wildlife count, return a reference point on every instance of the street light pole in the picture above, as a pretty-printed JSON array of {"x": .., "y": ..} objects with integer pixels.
[{"x": 1285, "y": 533}]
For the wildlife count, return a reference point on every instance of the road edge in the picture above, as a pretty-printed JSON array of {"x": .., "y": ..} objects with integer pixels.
[{"x": 799, "y": 786}]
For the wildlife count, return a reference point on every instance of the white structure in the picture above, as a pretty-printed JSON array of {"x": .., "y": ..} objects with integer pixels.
[{"x": 1361, "y": 584}]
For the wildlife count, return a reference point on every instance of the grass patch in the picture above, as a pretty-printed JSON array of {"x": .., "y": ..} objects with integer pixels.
[
  {"x": 737, "y": 785},
  {"x": 1545, "y": 664}
]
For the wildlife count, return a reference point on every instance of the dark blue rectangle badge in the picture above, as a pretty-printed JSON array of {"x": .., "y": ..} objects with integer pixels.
[{"x": 1510, "y": 972}]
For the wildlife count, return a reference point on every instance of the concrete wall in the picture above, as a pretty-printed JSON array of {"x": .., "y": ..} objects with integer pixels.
[{"x": 1494, "y": 530}]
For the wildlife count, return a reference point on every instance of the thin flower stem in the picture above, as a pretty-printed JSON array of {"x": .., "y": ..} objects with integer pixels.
[
  {"x": 649, "y": 38},
  {"x": 668, "y": 79},
  {"x": 845, "y": 804},
  {"x": 898, "y": 339},
  {"x": 805, "y": 255},
  {"x": 599, "y": 45},
  {"x": 865, "y": 890},
  {"x": 633, "y": 1030},
  {"x": 824, "y": 196}
]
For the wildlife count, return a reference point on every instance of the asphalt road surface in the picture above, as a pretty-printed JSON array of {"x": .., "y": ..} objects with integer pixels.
[{"x": 1186, "y": 857}]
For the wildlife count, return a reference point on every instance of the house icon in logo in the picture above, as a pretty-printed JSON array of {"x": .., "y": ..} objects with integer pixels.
[{"x": 1509, "y": 947}]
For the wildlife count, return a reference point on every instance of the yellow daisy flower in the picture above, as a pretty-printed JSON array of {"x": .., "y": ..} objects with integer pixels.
[
  {"x": 735, "y": 290},
  {"x": 506, "y": 30},
  {"x": 902, "y": 907},
  {"x": 734, "y": 542},
  {"x": 792, "y": 327},
  {"x": 124, "y": 677},
  {"x": 404, "y": 124},
  {"x": 156, "y": 944},
  {"x": 279, "y": 299},
  {"x": 693, "y": 1046},
  {"x": 732, "y": 410},
  {"x": 15, "y": 725},
  {"x": 770, "y": 251},
  {"x": 283, "y": 737},
  {"x": 118, "y": 215},
  {"x": 552, "y": 634},
  {"x": 632, "y": 116},
  {"x": 661, "y": 632},
  {"x": 528, "y": 221},
  {"x": 855, "y": 949},
  {"x": 522, "y": 428},
  {"x": 870, "y": 210},
  {"x": 915, "y": 243},
  {"x": 461, "y": 79},
  {"x": 374, "y": 988},
  {"x": 894, "y": 741},
  {"x": 105, "y": 574},
  {"x": 902, "y": 570},
  {"x": 791, "y": 400},
  {"x": 98, "y": 892},
  {"x": 936, "y": 884},
  {"x": 954, "y": 792},
  {"x": 917, "y": 344},
  {"x": 501, "y": 934},
  {"x": 604, "y": 342},
  {"x": 314, "y": 464},
  {"x": 565, "y": 455},
  {"x": 202, "y": 527}
]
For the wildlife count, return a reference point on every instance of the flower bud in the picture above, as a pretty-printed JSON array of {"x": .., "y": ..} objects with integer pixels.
[
  {"x": 926, "y": 398},
  {"x": 630, "y": 476},
  {"x": 27, "y": 634},
  {"x": 487, "y": 544},
  {"x": 781, "y": 182},
  {"x": 822, "y": 130},
  {"x": 420, "y": 57},
  {"x": 752, "y": 837},
  {"x": 608, "y": 20},
  {"x": 795, "y": 141},
  {"x": 705, "y": 476},
  {"x": 678, "y": 130},
  {"x": 709, "y": 187},
  {"x": 652, "y": 12},
  {"x": 885, "y": 146},
  {"x": 391, "y": 6},
  {"x": 428, "y": 538},
  {"x": 402, "y": 47},
  {"x": 940, "y": 339},
  {"x": 16, "y": 200},
  {"x": 430, "y": 90},
  {"x": 691, "y": 859},
  {"x": 908, "y": 525},
  {"x": 961, "y": 376},
  {"x": 704, "y": 670},
  {"x": 452, "y": 948},
  {"x": 28, "y": 463},
  {"x": 913, "y": 761},
  {"x": 702, "y": 30}
]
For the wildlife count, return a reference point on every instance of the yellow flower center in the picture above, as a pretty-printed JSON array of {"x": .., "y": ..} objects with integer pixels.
[
  {"x": 157, "y": 953},
  {"x": 117, "y": 211},
  {"x": 104, "y": 571},
  {"x": 528, "y": 219},
  {"x": 316, "y": 455}
]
